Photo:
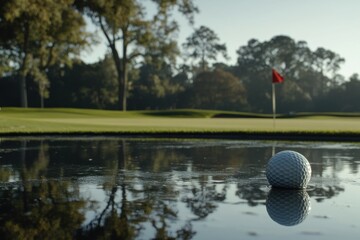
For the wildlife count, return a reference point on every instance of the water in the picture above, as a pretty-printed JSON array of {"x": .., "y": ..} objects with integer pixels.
[{"x": 81, "y": 188}]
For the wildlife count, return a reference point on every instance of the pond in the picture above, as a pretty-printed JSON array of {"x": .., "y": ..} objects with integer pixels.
[{"x": 97, "y": 187}]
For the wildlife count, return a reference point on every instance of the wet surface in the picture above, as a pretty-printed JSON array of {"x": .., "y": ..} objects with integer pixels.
[{"x": 97, "y": 187}]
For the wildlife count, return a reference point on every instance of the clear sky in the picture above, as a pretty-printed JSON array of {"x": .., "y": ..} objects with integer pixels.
[{"x": 332, "y": 24}]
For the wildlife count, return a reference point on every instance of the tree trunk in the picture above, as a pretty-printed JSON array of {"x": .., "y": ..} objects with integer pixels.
[
  {"x": 23, "y": 69},
  {"x": 23, "y": 91},
  {"x": 41, "y": 101},
  {"x": 120, "y": 65},
  {"x": 203, "y": 62},
  {"x": 124, "y": 76},
  {"x": 120, "y": 76}
]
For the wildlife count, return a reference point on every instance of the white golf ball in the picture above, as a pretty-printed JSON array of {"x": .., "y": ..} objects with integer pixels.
[
  {"x": 288, "y": 207},
  {"x": 288, "y": 169}
]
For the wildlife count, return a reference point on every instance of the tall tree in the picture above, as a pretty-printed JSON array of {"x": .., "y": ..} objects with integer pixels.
[
  {"x": 125, "y": 24},
  {"x": 36, "y": 34},
  {"x": 204, "y": 44}
]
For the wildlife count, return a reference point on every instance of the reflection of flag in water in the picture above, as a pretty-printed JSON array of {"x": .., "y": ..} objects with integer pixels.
[{"x": 276, "y": 78}]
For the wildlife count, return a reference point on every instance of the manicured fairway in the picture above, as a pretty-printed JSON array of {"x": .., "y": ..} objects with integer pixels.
[{"x": 27, "y": 121}]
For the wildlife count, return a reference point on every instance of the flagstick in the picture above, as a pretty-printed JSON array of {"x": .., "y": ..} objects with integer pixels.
[
  {"x": 274, "y": 104},
  {"x": 273, "y": 149}
]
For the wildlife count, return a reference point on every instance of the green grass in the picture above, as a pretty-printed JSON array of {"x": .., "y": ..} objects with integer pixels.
[{"x": 67, "y": 121}]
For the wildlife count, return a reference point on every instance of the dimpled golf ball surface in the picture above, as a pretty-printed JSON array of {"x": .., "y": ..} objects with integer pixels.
[{"x": 288, "y": 169}]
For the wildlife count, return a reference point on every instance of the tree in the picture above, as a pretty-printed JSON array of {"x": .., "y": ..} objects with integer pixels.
[
  {"x": 38, "y": 34},
  {"x": 124, "y": 23},
  {"x": 218, "y": 90},
  {"x": 351, "y": 96},
  {"x": 204, "y": 44},
  {"x": 84, "y": 85},
  {"x": 327, "y": 63},
  {"x": 156, "y": 88},
  {"x": 342, "y": 98},
  {"x": 98, "y": 84}
]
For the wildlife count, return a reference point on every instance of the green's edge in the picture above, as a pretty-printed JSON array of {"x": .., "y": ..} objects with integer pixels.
[{"x": 238, "y": 135}]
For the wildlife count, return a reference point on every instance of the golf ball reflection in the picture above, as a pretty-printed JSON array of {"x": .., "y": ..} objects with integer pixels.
[{"x": 288, "y": 207}]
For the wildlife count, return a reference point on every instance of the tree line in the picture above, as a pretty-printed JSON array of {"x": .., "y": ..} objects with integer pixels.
[{"x": 147, "y": 68}]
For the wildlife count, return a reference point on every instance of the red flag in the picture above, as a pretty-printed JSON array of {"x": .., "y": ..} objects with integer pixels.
[{"x": 276, "y": 77}]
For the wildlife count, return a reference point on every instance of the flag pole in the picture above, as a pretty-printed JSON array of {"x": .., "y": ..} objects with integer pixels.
[
  {"x": 274, "y": 104},
  {"x": 276, "y": 78}
]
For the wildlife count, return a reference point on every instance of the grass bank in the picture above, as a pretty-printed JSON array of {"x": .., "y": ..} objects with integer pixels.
[{"x": 62, "y": 121}]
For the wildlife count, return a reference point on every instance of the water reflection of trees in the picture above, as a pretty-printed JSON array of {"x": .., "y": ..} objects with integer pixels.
[
  {"x": 119, "y": 219},
  {"x": 142, "y": 182},
  {"x": 129, "y": 207},
  {"x": 320, "y": 193},
  {"x": 202, "y": 199},
  {"x": 254, "y": 194},
  {"x": 37, "y": 208}
]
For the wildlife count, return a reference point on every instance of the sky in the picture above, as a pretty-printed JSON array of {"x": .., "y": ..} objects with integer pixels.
[{"x": 332, "y": 24}]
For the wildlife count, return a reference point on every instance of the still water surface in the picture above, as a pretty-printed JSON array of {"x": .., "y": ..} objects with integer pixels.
[{"x": 92, "y": 188}]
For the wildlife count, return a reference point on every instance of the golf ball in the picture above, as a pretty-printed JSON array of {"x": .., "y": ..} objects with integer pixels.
[
  {"x": 288, "y": 169},
  {"x": 288, "y": 207}
]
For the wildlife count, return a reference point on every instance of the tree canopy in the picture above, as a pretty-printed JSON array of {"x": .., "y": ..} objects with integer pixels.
[
  {"x": 38, "y": 34},
  {"x": 40, "y": 62},
  {"x": 204, "y": 44}
]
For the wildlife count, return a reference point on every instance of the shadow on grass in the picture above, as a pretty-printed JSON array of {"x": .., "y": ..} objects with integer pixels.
[
  {"x": 285, "y": 116},
  {"x": 179, "y": 113}
]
